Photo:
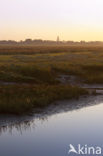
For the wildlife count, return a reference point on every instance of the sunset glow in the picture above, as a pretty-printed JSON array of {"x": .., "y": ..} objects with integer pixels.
[{"x": 70, "y": 19}]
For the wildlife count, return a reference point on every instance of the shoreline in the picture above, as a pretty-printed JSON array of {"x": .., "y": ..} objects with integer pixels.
[
  {"x": 10, "y": 121},
  {"x": 41, "y": 101}
]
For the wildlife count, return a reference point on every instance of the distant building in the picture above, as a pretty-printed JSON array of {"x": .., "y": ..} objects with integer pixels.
[{"x": 58, "y": 39}]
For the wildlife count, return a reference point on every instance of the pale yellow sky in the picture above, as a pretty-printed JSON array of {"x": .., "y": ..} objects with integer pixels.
[{"x": 70, "y": 19}]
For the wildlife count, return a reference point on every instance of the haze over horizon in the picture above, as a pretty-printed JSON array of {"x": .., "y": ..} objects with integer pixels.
[{"x": 70, "y": 19}]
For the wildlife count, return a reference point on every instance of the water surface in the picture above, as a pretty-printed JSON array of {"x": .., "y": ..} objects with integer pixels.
[{"x": 50, "y": 132}]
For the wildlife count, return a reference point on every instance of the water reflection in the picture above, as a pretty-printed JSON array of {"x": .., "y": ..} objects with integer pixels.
[
  {"x": 27, "y": 123},
  {"x": 49, "y": 132}
]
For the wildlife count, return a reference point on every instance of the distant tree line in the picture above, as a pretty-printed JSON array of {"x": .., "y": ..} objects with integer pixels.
[{"x": 48, "y": 42}]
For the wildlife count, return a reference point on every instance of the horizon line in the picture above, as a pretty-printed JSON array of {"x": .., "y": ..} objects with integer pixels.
[{"x": 40, "y": 39}]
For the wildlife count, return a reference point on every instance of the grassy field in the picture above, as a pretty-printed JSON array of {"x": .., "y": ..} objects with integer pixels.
[{"x": 34, "y": 72}]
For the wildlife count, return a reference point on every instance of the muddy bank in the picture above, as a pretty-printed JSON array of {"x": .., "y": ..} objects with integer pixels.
[
  {"x": 43, "y": 114},
  {"x": 75, "y": 81}
]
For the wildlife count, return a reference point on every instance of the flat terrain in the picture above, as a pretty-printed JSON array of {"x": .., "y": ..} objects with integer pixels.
[{"x": 30, "y": 75}]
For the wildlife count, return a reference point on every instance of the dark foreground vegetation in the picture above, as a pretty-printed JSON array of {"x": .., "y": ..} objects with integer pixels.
[
  {"x": 31, "y": 74},
  {"x": 26, "y": 98}
]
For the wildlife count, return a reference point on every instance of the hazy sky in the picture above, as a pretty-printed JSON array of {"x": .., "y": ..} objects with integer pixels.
[{"x": 70, "y": 19}]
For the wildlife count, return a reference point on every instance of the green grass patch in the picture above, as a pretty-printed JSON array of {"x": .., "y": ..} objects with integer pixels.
[{"x": 35, "y": 69}]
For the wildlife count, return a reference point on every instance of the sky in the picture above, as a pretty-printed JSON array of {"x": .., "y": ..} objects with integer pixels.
[{"x": 46, "y": 19}]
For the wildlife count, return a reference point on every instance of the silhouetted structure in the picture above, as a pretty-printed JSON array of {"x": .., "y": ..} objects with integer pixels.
[{"x": 58, "y": 39}]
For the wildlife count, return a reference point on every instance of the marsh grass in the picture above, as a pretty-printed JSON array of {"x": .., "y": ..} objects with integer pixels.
[
  {"x": 34, "y": 70},
  {"x": 26, "y": 98}
]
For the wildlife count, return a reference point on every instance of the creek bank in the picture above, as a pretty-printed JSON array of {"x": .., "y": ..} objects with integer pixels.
[
  {"x": 43, "y": 114},
  {"x": 95, "y": 89}
]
